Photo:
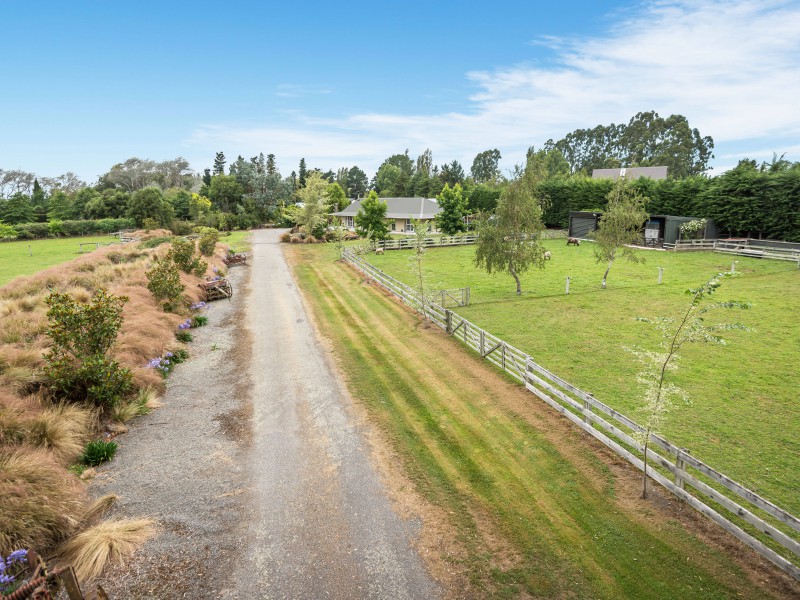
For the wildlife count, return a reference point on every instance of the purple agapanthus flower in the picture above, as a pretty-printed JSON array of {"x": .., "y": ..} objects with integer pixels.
[{"x": 18, "y": 555}]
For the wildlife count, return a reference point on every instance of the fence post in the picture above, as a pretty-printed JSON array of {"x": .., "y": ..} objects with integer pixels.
[
  {"x": 449, "y": 321},
  {"x": 587, "y": 408},
  {"x": 660, "y": 274},
  {"x": 504, "y": 355},
  {"x": 483, "y": 342},
  {"x": 680, "y": 466},
  {"x": 567, "y": 290},
  {"x": 733, "y": 266}
]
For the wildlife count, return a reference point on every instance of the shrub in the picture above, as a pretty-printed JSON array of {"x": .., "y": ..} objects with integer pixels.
[
  {"x": 81, "y": 334},
  {"x": 149, "y": 223},
  {"x": 55, "y": 227},
  {"x": 98, "y": 452},
  {"x": 164, "y": 282},
  {"x": 183, "y": 336},
  {"x": 208, "y": 241},
  {"x": 310, "y": 239},
  {"x": 199, "y": 321},
  {"x": 285, "y": 237},
  {"x": 296, "y": 238},
  {"x": 181, "y": 227},
  {"x": 182, "y": 253}
]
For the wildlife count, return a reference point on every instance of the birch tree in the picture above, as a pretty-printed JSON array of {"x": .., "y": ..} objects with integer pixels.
[
  {"x": 659, "y": 393},
  {"x": 620, "y": 225}
]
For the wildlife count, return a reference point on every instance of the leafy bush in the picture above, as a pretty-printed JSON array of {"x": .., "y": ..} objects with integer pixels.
[
  {"x": 164, "y": 282},
  {"x": 181, "y": 227},
  {"x": 208, "y": 241},
  {"x": 98, "y": 452},
  {"x": 149, "y": 224},
  {"x": 55, "y": 227},
  {"x": 182, "y": 253},
  {"x": 81, "y": 334}
]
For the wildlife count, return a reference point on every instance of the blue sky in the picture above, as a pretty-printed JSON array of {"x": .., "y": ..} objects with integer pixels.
[{"x": 88, "y": 84}]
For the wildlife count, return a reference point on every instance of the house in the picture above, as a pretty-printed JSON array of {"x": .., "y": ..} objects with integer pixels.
[
  {"x": 399, "y": 212},
  {"x": 630, "y": 173}
]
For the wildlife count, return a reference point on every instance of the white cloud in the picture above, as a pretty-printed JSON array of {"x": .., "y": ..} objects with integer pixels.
[{"x": 732, "y": 68}]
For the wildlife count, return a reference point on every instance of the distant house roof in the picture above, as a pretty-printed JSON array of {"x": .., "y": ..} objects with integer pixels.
[
  {"x": 631, "y": 173},
  {"x": 399, "y": 208}
]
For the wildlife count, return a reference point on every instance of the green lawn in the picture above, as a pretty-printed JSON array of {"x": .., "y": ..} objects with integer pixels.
[
  {"x": 29, "y": 256},
  {"x": 744, "y": 417},
  {"x": 532, "y": 507}
]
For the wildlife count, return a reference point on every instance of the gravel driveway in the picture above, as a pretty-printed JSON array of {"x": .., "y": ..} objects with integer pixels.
[{"x": 255, "y": 469}]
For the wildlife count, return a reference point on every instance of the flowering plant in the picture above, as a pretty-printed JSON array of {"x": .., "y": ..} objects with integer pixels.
[{"x": 11, "y": 568}]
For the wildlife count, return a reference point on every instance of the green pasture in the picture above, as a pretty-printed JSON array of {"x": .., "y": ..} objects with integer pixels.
[
  {"x": 535, "y": 512},
  {"x": 26, "y": 257},
  {"x": 744, "y": 416}
]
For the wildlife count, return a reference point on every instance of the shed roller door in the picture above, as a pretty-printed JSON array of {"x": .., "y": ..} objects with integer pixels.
[{"x": 581, "y": 228}]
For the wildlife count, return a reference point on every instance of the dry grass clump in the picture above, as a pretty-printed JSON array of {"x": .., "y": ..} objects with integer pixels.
[
  {"x": 146, "y": 401},
  {"x": 41, "y": 504},
  {"x": 90, "y": 551},
  {"x": 63, "y": 429}
]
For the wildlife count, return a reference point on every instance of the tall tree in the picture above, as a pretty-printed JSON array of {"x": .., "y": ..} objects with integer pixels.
[
  {"x": 357, "y": 183},
  {"x": 149, "y": 203},
  {"x": 313, "y": 196},
  {"x": 39, "y": 202},
  {"x": 219, "y": 164},
  {"x": 17, "y": 209},
  {"x": 508, "y": 242},
  {"x": 454, "y": 208},
  {"x": 206, "y": 177},
  {"x": 271, "y": 168},
  {"x": 336, "y": 199},
  {"x": 452, "y": 173},
  {"x": 424, "y": 163},
  {"x": 486, "y": 166},
  {"x": 225, "y": 192},
  {"x": 620, "y": 225},
  {"x": 370, "y": 221},
  {"x": 302, "y": 173},
  {"x": 60, "y": 207}
]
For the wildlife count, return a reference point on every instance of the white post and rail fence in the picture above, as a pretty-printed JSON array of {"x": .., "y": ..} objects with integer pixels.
[{"x": 770, "y": 530}]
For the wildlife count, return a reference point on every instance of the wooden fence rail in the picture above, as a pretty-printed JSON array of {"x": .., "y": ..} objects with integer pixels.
[
  {"x": 674, "y": 468},
  {"x": 744, "y": 247}
]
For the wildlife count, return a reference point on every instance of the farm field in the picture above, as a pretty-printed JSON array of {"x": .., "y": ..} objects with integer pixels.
[
  {"x": 743, "y": 419},
  {"x": 25, "y": 257},
  {"x": 528, "y": 506}
]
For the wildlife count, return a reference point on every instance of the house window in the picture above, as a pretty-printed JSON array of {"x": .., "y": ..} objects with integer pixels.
[
  {"x": 348, "y": 222},
  {"x": 394, "y": 225}
]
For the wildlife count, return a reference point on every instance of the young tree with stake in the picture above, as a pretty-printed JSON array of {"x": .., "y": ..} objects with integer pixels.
[
  {"x": 659, "y": 392},
  {"x": 620, "y": 225}
]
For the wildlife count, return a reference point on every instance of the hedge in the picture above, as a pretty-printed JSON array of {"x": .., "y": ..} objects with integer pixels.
[
  {"x": 73, "y": 228},
  {"x": 743, "y": 201}
]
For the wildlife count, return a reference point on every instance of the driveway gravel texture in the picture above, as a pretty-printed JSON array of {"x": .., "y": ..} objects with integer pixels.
[{"x": 256, "y": 471}]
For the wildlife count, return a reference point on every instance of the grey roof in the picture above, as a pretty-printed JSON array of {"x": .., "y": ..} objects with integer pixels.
[
  {"x": 631, "y": 173},
  {"x": 399, "y": 208}
]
